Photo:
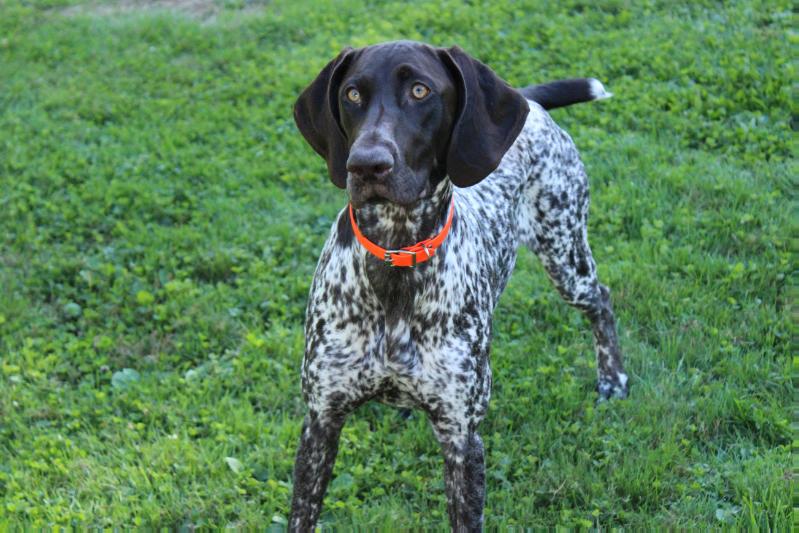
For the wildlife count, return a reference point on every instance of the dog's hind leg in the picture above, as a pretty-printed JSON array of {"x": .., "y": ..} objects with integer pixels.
[
  {"x": 560, "y": 239},
  {"x": 553, "y": 219},
  {"x": 313, "y": 467},
  {"x": 574, "y": 275}
]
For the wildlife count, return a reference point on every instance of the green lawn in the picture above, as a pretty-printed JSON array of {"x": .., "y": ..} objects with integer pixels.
[{"x": 161, "y": 219}]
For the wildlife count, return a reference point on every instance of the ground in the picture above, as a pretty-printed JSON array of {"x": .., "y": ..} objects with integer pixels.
[{"x": 162, "y": 218}]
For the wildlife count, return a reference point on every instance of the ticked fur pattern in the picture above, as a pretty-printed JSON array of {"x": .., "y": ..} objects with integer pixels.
[{"x": 419, "y": 337}]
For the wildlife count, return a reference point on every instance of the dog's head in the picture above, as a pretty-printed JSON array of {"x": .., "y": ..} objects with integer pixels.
[{"x": 393, "y": 119}]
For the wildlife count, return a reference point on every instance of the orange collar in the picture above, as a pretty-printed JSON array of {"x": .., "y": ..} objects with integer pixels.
[{"x": 409, "y": 256}]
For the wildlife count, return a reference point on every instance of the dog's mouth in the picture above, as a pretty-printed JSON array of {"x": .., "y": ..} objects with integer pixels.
[
  {"x": 377, "y": 200},
  {"x": 369, "y": 196},
  {"x": 376, "y": 194},
  {"x": 404, "y": 188}
]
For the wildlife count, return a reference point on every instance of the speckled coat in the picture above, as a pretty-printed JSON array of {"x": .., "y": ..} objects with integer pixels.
[{"x": 419, "y": 337}]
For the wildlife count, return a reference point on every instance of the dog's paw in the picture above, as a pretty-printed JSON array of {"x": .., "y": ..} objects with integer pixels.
[{"x": 612, "y": 387}]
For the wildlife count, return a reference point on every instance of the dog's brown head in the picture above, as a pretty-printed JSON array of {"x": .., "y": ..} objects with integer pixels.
[{"x": 393, "y": 119}]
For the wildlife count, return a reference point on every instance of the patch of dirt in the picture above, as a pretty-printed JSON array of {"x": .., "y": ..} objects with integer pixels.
[{"x": 199, "y": 9}]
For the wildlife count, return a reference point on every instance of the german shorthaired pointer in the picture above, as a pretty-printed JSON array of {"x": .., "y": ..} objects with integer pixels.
[{"x": 434, "y": 149}]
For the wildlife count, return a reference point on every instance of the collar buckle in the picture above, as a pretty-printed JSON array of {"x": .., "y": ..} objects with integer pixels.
[
  {"x": 390, "y": 260},
  {"x": 409, "y": 256}
]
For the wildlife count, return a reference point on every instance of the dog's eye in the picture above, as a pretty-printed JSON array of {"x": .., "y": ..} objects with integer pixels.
[
  {"x": 353, "y": 95},
  {"x": 419, "y": 91}
]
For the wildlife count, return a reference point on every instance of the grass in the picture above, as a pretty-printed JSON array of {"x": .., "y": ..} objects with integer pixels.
[{"x": 162, "y": 218}]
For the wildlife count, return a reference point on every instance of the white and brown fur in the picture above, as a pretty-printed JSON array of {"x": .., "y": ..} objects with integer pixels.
[{"x": 420, "y": 337}]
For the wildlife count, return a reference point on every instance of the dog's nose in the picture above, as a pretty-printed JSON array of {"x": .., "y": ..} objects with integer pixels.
[{"x": 374, "y": 162}]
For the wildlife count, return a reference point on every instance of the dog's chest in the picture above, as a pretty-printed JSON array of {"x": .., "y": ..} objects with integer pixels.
[
  {"x": 413, "y": 310},
  {"x": 424, "y": 314}
]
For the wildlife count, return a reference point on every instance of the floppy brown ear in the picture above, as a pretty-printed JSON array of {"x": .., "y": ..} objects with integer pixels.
[
  {"x": 490, "y": 116},
  {"x": 317, "y": 117}
]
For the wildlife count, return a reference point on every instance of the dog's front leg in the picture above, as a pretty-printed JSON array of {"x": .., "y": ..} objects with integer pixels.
[
  {"x": 313, "y": 467},
  {"x": 464, "y": 479}
]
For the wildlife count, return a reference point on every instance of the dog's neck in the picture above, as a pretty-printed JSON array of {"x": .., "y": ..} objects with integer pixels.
[{"x": 395, "y": 226}]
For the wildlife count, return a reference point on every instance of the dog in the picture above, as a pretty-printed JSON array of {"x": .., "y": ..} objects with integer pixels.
[{"x": 434, "y": 149}]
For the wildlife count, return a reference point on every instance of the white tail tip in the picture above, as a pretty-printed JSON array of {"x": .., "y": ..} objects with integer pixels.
[{"x": 597, "y": 90}]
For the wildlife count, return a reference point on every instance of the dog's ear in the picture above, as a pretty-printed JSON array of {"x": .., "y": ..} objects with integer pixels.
[
  {"x": 489, "y": 117},
  {"x": 317, "y": 116}
]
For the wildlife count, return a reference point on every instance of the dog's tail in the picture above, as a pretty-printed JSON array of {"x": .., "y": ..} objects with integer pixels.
[{"x": 565, "y": 92}]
